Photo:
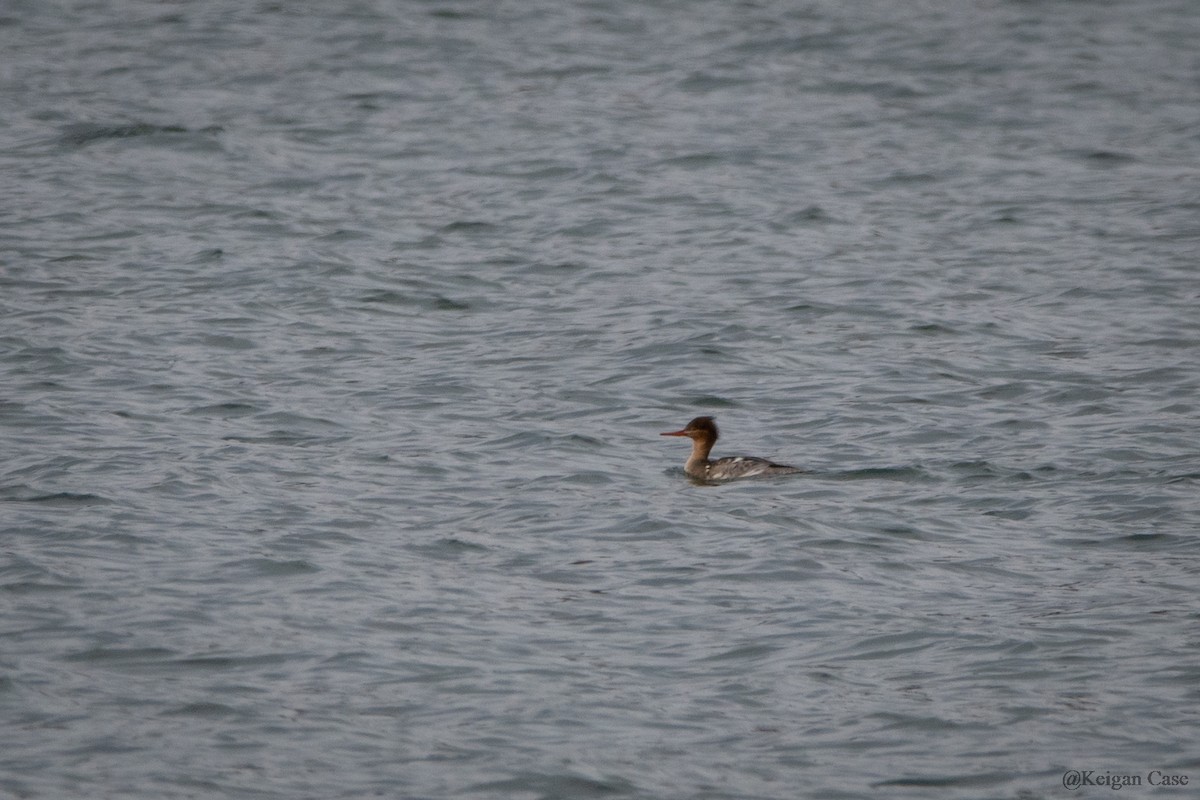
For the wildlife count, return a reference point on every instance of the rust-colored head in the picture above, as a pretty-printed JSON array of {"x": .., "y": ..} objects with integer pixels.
[{"x": 702, "y": 428}]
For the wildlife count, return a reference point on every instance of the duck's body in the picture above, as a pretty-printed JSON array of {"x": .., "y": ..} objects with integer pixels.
[{"x": 703, "y": 433}]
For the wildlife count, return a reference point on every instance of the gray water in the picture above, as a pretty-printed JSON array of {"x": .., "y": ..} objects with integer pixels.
[{"x": 336, "y": 339}]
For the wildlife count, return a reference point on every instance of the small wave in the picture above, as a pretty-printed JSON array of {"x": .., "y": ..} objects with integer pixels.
[
  {"x": 905, "y": 474},
  {"x": 82, "y": 134},
  {"x": 64, "y": 499}
]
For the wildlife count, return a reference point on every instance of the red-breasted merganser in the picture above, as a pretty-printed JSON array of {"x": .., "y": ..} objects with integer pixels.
[{"x": 703, "y": 433}]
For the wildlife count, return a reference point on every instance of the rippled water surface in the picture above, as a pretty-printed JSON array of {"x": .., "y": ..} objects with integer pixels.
[{"x": 336, "y": 339}]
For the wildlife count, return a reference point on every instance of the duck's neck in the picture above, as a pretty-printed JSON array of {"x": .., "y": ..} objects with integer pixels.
[{"x": 697, "y": 463}]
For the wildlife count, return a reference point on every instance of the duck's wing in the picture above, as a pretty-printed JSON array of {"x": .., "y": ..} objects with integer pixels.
[{"x": 731, "y": 467}]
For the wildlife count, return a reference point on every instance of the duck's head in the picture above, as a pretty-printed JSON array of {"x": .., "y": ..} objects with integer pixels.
[{"x": 701, "y": 428}]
